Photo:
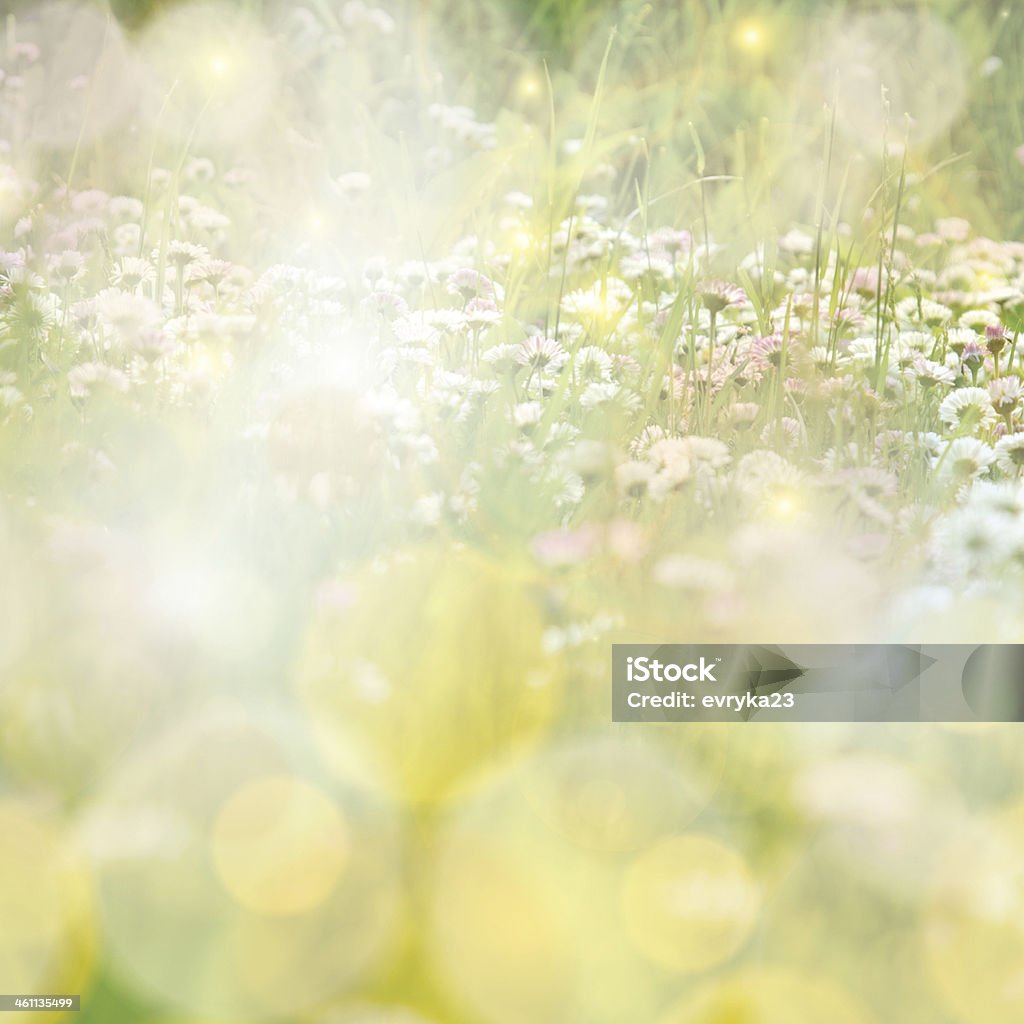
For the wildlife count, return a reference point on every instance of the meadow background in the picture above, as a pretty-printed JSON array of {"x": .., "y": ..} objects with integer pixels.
[{"x": 367, "y": 371}]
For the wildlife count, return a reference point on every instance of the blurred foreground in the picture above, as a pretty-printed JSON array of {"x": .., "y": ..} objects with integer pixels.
[{"x": 364, "y": 376}]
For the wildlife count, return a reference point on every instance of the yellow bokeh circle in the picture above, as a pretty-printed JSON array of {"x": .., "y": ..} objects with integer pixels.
[
  {"x": 47, "y": 920},
  {"x": 279, "y": 845},
  {"x": 974, "y": 922},
  {"x": 233, "y": 882},
  {"x": 503, "y": 935},
  {"x": 613, "y": 793},
  {"x": 689, "y": 902},
  {"x": 525, "y": 911},
  {"x": 435, "y": 668},
  {"x": 768, "y": 996}
]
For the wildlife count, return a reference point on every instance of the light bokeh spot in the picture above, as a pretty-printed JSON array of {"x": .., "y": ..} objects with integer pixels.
[
  {"x": 230, "y": 883},
  {"x": 211, "y": 72},
  {"x": 974, "y": 926},
  {"x": 689, "y": 902},
  {"x": 47, "y": 925},
  {"x": 894, "y": 74},
  {"x": 280, "y": 845},
  {"x": 86, "y": 86},
  {"x": 769, "y": 996}
]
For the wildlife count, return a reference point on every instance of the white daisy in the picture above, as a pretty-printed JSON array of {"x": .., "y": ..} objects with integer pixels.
[
  {"x": 967, "y": 409},
  {"x": 965, "y": 458},
  {"x": 541, "y": 353},
  {"x": 1010, "y": 454},
  {"x": 928, "y": 373},
  {"x": 1006, "y": 394}
]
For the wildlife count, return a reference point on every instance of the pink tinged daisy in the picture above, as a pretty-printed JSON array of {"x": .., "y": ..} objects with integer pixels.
[
  {"x": 674, "y": 385},
  {"x": 670, "y": 240},
  {"x": 90, "y": 201},
  {"x": 967, "y": 409},
  {"x": 385, "y": 304},
  {"x": 718, "y": 295},
  {"x": 767, "y": 351},
  {"x": 995, "y": 338},
  {"x": 624, "y": 365},
  {"x": 481, "y": 312},
  {"x": 864, "y": 280},
  {"x": 972, "y": 357},
  {"x": 846, "y": 318},
  {"x": 958, "y": 338},
  {"x": 470, "y": 284},
  {"x": 539, "y": 352},
  {"x": 26, "y": 52},
  {"x": 85, "y": 378},
  {"x": 928, "y": 373},
  {"x": 153, "y": 344}
]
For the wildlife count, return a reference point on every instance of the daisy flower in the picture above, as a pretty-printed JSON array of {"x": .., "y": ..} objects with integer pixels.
[
  {"x": 649, "y": 436},
  {"x": 928, "y": 373},
  {"x": 978, "y": 319},
  {"x": 633, "y": 478},
  {"x": 593, "y": 363},
  {"x": 706, "y": 451},
  {"x": 1010, "y": 454},
  {"x": 539, "y": 352},
  {"x": 467, "y": 284},
  {"x": 1006, "y": 394},
  {"x": 718, "y": 295},
  {"x": 965, "y": 458},
  {"x": 967, "y": 409},
  {"x": 767, "y": 351}
]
